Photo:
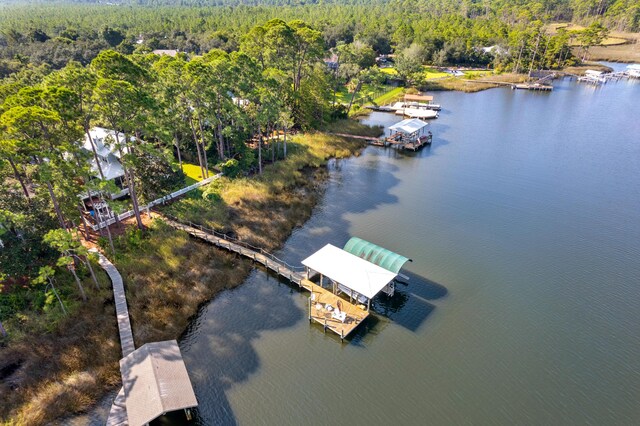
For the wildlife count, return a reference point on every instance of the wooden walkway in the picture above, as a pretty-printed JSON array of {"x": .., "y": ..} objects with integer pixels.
[
  {"x": 537, "y": 85},
  {"x": 320, "y": 297},
  {"x": 118, "y": 412},
  {"x": 347, "y": 135},
  {"x": 120, "y": 299},
  {"x": 256, "y": 254}
]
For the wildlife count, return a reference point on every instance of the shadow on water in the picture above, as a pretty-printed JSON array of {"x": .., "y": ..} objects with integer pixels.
[
  {"x": 217, "y": 346},
  {"x": 368, "y": 188},
  {"x": 409, "y": 308}
]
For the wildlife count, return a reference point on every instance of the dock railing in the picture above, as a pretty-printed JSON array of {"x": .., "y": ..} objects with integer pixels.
[
  {"x": 162, "y": 200},
  {"x": 257, "y": 254}
]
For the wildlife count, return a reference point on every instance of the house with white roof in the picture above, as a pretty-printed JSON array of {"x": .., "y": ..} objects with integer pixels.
[{"x": 108, "y": 165}]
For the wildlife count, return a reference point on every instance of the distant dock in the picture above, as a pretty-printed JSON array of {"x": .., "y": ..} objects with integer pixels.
[{"x": 542, "y": 84}]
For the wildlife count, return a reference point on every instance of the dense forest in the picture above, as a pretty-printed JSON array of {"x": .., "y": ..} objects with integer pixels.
[{"x": 448, "y": 31}]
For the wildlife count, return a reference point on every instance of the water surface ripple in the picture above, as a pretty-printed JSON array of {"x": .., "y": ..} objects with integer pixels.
[{"x": 523, "y": 221}]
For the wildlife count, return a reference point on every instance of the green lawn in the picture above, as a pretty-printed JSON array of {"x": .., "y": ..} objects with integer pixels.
[
  {"x": 192, "y": 173},
  {"x": 389, "y": 71},
  {"x": 389, "y": 97},
  {"x": 367, "y": 92},
  {"x": 431, "y": 73}
]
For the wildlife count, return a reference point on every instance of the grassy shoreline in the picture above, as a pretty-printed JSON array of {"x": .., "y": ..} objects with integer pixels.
[{"x": 169, "y": 275}]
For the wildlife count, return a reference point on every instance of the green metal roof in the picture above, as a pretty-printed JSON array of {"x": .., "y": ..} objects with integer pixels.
[{"x": 375, "y": 254}]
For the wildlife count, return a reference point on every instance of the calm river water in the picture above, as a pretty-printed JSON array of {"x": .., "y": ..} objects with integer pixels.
[{"x": 523, "y": 223}]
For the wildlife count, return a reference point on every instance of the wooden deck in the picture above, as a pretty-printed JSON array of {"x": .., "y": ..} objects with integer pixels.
[
  {"x": 119, "y": 297},
  {"x": 321, "y": 298},
  {"x": 118, "y": 412},
  {"x": 318, "y": 307},
  {"x": 418, "y": 143}
]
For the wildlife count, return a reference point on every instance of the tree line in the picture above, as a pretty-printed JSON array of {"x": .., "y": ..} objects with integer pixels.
[
  {"x": 450, "y": 30},
  {"x": 233, "y": 110}
]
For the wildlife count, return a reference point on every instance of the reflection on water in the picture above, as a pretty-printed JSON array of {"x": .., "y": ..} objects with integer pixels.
[{"x": 523, "y": 221}]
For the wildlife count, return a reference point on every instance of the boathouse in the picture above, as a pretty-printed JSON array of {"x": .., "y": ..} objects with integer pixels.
[
  {"x": 155, "y": 382},
  {"x": 633, "y": 70},
  {"x": 361, "y": 270},
  {"x": 411, "y": 133},
  {"x": 409, "y": 129},
  {"x": 418, "y": 98}
]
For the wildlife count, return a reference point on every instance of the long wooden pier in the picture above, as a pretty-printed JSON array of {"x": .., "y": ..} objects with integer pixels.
[
  {"x": 347, "y": 135},
  {"x": 118, "y": 411},
  {"x": 322, "y": 302},
  {"x": 120, "y": 300}
]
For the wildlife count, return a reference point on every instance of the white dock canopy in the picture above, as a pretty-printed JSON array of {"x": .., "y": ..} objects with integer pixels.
[
  {"x": 409, "y": 126},
  {"x": 361, "y": 276},
  {"x": 155, "y": 382}
]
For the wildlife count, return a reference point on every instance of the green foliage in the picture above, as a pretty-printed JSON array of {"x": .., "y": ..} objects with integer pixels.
[
  {"x": 231, "y": 168},
  {"x": 155, "y": 175}
]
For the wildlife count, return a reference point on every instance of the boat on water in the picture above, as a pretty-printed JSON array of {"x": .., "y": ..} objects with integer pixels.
[
  {"x": 633, "y": 70},
  {"x": 416, "y": 109},
  {"x": 413, "y": 112},
  {"x": 419, "y": 105},
  {"x": 593, "y": 77}
]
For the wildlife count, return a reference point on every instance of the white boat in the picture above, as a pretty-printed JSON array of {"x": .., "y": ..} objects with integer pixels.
[
  {"x": 633, "y": 70},
  {"x": 593, "y": 77},
  {"x": 417, "y": 113},
  {"x": 418, "y": 105}
]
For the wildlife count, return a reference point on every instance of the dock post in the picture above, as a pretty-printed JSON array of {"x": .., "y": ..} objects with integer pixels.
[
  {"x": 325, "y": 325},
  {"x": 309, "y": 309}
]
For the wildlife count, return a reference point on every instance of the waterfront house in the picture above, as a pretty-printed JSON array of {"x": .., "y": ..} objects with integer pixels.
[
  {"x": 168, "y": 52},
  {"x": 108, "y": 158}
]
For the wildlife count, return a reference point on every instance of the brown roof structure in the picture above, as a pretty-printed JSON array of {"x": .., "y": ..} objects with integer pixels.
[
  {"x": 418, "y": 98},
  {"x": 155, "y": 382}
]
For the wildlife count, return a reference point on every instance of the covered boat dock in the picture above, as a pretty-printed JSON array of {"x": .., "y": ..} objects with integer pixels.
[
  {"x": 359, "y": 271},
  {"x": 410, "y": 134},
  {"x": 155, "y": 382}
]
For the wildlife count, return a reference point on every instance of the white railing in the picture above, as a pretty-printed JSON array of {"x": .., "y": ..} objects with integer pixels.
[{"x": 161, "y": 200}]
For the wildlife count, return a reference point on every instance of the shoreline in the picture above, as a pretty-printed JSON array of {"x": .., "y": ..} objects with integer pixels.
[{"x": 164, "y": 264}]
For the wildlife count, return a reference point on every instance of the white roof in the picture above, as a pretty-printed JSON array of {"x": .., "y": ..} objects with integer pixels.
[
  {"x": 410, "y": 125},
  {"x": 104, "y": 141},
  {"x": 111, "y": 168},
  {"x": 155, "y": 381},
  {"x": 361, "y": 276},
  {"x": 170, "y": 52}
]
